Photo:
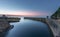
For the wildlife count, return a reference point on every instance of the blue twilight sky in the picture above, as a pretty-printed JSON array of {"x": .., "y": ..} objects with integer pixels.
[{"x": 29, "y": 7}]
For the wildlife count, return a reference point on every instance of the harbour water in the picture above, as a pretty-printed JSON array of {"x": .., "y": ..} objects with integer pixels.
[{"x": 28, "y": 28}]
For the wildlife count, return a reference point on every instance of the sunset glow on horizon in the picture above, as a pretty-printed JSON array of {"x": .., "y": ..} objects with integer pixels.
[
  {"x": 29, "y": 7},
  {"x": 23, "y": 13}
]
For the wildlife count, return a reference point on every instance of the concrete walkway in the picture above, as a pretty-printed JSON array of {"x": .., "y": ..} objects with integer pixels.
[
  {"x": 55, "y": 27},
  {"x": 57, "y": 22}
]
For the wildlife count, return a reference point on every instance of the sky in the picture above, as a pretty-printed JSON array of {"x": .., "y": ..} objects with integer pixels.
[{"x": 29, "y": 7}]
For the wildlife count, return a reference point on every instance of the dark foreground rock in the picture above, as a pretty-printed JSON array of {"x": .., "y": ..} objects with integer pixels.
[{"x": 2, "y": 29}]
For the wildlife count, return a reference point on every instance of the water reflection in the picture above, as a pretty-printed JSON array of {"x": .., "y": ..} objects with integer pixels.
[{"x": 28, "y": 28}]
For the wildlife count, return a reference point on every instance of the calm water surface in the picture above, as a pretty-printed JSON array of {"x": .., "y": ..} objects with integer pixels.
[{"x": 28, "y": 28}]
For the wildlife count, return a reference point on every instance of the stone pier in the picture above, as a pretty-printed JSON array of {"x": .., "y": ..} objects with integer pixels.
[{"x": 4, "y": 22}]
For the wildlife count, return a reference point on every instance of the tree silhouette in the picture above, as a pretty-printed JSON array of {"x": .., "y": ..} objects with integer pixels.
[{"x": 56, "y": 15}]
